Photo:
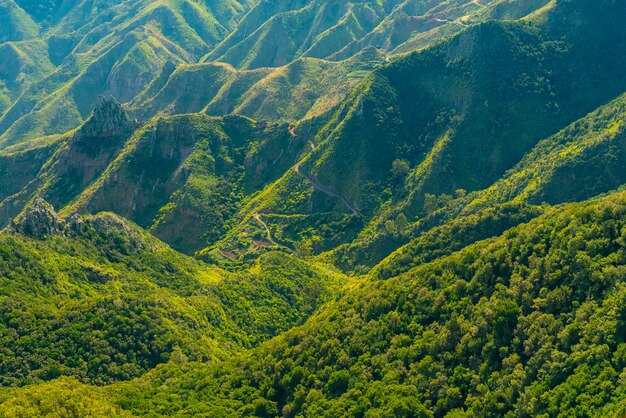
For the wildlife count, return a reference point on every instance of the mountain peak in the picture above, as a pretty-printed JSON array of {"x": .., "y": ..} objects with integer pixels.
[
  {"x": 38, "y": 220},
  {"x": 108, "y": 117}
]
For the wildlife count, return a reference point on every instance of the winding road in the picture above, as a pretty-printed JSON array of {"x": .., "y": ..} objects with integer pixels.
[
  {"x": 315, "y": 184},
  {"x": 292, "y": 130},
  {"x": 327, "y": 191},
  {"x": 257, "y": 216}
]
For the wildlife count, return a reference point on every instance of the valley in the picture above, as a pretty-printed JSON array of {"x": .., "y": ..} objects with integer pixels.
[{"x": 320, "y": 208}]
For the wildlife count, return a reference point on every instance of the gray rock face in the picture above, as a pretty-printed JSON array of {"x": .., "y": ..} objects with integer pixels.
[
  {"x": 107, "y": 118},
  {"x": 38, "y": 220}
]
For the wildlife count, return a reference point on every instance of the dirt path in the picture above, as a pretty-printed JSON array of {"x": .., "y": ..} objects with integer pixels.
[
  {"x": 292, "y": 130},
  {"x": 257, "y": 216},
  {"x": 457, "y": 22},
  {"x": 327, "y": 191}
]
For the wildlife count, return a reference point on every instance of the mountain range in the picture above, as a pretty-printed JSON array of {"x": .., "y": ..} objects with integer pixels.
[{"x": 390, "y": 208}]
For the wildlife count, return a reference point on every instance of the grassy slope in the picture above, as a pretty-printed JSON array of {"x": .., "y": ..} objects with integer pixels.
[
  {"x": 392, "y": 105},
  {"x": 302, "y": 89},
  {"x": 460, "y": 115},
  {"x": 127, "y": 49},
  {"x": 274, "y": 35},
  {"x": 185, "y": 176},
  {"x": 22, "y": 63},
  {"x": 118, "y": 50},
  {"x": 17, "y": 25}
]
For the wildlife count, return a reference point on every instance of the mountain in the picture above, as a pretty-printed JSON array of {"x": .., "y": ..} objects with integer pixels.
[
  {"x": 451, "y": 119},
  {"x": 276, "y": 33},
  {"x": 181, "y": 177},
  {"x": 303, "y": 89},
  {"x": 474, "y": 333},
  {"x": 112, "y": 49},
  {"x": 106, "y": 301},
  {"x": 372, "y": 129},
  {"x": 583, "y": 160},
  {"x": 500, "y": 327},
  {"x": 17, "y": 25},
  {"x": 407, "y": 208},
  {"x": 130, "y": 49},
  {"x": 21, "y": 63}
]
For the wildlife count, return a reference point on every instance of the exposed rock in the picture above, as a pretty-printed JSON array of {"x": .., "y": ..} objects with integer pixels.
[
  {"x": 38, "y": 220},
  {"x": 107, "y": 118}
]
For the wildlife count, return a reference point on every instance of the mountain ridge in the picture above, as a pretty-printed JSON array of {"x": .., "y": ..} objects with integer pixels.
[{"x": 270, "y": 208}]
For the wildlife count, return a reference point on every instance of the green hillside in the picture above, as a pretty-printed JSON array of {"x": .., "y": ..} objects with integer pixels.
[
  {"x": 21, "y": 63},
  {"x": 129, "y": 49},
  {"x": 97, "y": 298},
  {"x": 430, "y": 94},
  {"x": 527, "y": 324},
  {"x": 583, "y": 160},
  {"x": 184, "y": 177},
  {"x": 303, "y": 89},
  {"x": 17, "y": 25},
  {"x": 436, "y": 125},
  {"x": 474, "y": 333},
  {"x": 112, "y": 49},
  {"x": 324, "y": 208},
  {"x": 274, "y": 33}
]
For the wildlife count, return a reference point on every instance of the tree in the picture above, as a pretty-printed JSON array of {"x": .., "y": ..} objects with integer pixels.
[
  {"x": 400, "y": 169},
  {"x": 402, "y": 223},
  {"x": 430, "y": 203},
  {"x": 390, "y": 226}
]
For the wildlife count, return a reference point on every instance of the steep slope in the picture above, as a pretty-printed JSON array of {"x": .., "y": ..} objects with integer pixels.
[
  {"x": 113, "y": 49},
  {"x": 585, "y": 159},
  {"x": 21, "y": 63},
  {"x": 17, "y": 25},
  {"x": 304, "y": 88},
  {"x": 20, "y": 166},
  {"x": 129, "y": 49},
  {"x": 184, "y": 177},
  {"x": 469, "y": 130},
  {"x": 366, "y": 171},
  {"x": 529, "y": 323},
  {"x": 274, "y": 34},
  {"x": 97, "y": 298},
  {"x": 454, "y": 118},
  {"x": 79, "y": 158},
  {"x": 415, "y": 25}
]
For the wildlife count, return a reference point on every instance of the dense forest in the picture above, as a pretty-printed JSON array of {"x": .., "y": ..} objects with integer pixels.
[{"x": 313, "y": 208}]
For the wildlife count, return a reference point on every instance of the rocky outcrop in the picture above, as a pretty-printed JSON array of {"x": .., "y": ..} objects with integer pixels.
[
  {"x": 38, "y": 220},
  {"x": 107, "y": 118}
]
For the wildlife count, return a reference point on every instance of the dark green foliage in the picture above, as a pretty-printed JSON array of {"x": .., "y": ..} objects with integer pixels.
[
  {"x": 526, "y": 324},
  {"x": 453, "y": 236},
  {"x": 444, "y": 179}
]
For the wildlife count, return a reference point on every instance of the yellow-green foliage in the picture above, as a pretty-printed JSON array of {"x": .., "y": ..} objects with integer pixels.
[
  {"x": 62, "y": 398},
  {"x": 108, "y": 302}
]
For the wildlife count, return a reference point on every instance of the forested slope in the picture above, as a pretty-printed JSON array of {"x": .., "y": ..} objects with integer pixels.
[
  {"x": 312, "y": 208},
  {"x": 97, "y": 298},
  {"x": 529, "y": 323}
]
